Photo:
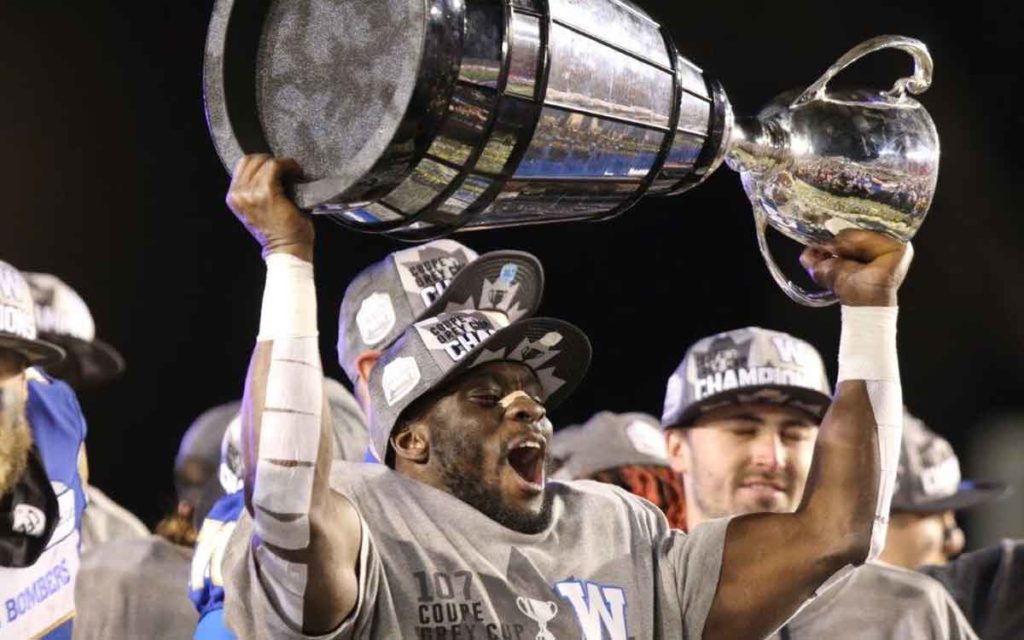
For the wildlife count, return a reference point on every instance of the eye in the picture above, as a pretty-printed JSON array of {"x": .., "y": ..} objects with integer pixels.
[
  {"x": 744, "y": 431},
  {"x": 485, "y": 398},
  {"x": 797, "y": 435}
]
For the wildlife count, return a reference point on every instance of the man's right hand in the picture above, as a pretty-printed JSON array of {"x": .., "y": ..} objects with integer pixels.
[{"x": 257, "y": 198}]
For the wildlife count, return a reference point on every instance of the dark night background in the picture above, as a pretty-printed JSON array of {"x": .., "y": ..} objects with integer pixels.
[{"x": 111, "y": 182}]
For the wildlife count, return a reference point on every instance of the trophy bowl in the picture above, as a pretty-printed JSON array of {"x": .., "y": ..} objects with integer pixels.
[{"x": 421, "y": 118}]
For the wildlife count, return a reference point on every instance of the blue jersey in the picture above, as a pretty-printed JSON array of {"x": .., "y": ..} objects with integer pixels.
[
  {"x": 206, "y": 585},
  {"x": 38, "y": 601}
]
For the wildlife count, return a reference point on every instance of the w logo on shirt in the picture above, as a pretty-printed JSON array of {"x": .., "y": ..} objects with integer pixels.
[{"x": 600, "y": 610}]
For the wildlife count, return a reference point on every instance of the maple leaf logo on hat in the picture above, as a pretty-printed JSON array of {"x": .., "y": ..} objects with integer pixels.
[{"x": 722, "y": 354}]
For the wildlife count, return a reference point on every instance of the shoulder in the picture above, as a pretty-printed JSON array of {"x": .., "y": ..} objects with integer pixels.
[
  {"x": 126, "y": 559},
  {"x": 899, "y": 583},
  {"x": 53, "y": 404},
  {"x": 589, "y": 499}
]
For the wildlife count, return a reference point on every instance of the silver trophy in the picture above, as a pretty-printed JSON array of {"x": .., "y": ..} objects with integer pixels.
[{"x": 420, "y": 118}]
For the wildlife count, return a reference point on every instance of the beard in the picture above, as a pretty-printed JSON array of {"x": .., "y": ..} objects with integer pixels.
[
  {"x": 15, "y": 438},
  {"x": 462, "y": 469}
]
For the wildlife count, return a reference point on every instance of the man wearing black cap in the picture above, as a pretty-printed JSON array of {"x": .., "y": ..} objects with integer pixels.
[
  {"x": 41, "y": 494},
  {"x": 987, "y": 584},
  {"x": 742, "y": 414},
  {"x": 458, "y": 535}
]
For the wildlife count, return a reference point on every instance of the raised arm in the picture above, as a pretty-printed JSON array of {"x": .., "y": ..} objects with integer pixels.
[
  {"x": 772, "y": 563},
  {"x": 307, "y": 537}
]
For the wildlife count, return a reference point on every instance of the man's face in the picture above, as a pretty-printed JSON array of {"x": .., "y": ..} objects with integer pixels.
[
  {"x": 15, "y": 435},
  {"x": 917, "y": 539},
  {"x": 741, "y": 459},
  {"x": 489, "y": 441}
]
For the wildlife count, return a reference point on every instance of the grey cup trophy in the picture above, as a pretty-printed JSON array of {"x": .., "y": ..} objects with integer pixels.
[{"x": 420, "y": 118}]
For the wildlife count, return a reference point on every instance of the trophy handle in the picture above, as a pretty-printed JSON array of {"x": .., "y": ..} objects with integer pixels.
[
  {"x": 795, "y": 292},
  {"x": 918, "y": 83},
  {"x": 521, "y": 603}
]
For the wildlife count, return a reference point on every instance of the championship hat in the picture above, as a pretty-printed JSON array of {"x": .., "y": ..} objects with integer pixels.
[
  {"x": 928, "y": 478},
  {"x": 63, "y": 318},
  {"x": 387, "y": 297},
  {"x": 605, "y": 441},
  {"x": 437, "y": 349},
  {"x": 18, "y": 330},
  {"x": 749, "y": 365}
]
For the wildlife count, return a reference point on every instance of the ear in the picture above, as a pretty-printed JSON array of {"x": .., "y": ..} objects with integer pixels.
[
  {"x": 953, "y": 539},
  {"x": 412, "y": 443},
  {"x": 678, "y": 450},
  {"x": 366, "y": 361}
]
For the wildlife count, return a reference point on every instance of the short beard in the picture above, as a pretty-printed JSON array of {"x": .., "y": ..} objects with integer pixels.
[
  {"x": 461, "y": 462},
  {"x": 15, "y": 439}
]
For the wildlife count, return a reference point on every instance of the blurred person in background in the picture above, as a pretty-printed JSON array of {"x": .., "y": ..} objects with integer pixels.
[
  {"x": 132, "y": 587},
  {"x": 42, "y": 433},
  {"x": 64, "y": 319},
  {"x": 205, "y": 580},
  {"x": 987, "y": 584},
  {"x": 741, "y": 416},
  {"x": 623, "y": 449}
]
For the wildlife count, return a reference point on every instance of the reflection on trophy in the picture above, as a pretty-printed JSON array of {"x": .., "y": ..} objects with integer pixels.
[
  {"x": 540, "y": 612},
  {"x": 492, "y": 113}
]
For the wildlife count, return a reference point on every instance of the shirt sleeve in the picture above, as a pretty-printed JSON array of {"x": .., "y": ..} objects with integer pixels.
[
  {"x": 694, "y": 563},
  {"x": 249, "y": 607}
]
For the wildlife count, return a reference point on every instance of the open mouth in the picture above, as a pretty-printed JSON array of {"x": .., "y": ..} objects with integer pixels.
[{"x": 526, "y": 457}]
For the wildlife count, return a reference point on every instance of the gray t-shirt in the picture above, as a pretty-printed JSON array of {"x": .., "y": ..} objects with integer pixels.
[
  {"x": 432, "y": 567},
  {"x": 988, "y": 584},
  {"x": 134, "y": 588},
  {"x": 105, "y": 520},
  {"x": 880, "y": 601}
]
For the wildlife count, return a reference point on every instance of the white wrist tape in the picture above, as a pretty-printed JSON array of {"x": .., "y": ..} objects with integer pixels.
[
  {"x": 867, "y": 351},
  {"x": 289, "y": 299},
  {"x": 867, "y": 344}
]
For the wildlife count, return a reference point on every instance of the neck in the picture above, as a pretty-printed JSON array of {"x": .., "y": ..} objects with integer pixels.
[{"x": 694, "y": 515}]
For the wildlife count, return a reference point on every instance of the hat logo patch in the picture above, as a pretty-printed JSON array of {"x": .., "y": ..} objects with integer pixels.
[
  {"x": 432, "y": 276},
  {"x": 457, "y": 335},
  {"x": 18, "y": 322},
  {"x": 28, "y": 520},
  {"x": 400, "y": 377},
  {"x": 942, "y": 479},
  {"x": 721, "y": 355},
  {"x": 10, "y": 284},
  {"x": 376, "y": 318}
]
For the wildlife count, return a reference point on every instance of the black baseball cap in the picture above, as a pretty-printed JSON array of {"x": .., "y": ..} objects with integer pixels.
[{"x": 928, "y": 479}]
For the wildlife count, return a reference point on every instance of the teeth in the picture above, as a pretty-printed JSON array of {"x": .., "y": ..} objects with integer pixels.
[{"x": 528, "y": 444}]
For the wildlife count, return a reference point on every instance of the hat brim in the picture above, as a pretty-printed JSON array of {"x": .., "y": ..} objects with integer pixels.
[
  {"x": 558, "y": 374},
  {"x": 970, "y": 494},
  {"x": 813, "y": 403},
  {"x": 38, "y": 352},
  {"x": 97, "y": 362},
  {"x": 468, "y": 285}
]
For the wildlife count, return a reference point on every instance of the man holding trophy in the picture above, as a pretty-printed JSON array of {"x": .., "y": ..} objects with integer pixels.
[
  {"x": 458, "y": 527},
  {"x": 488, "y": 114}
]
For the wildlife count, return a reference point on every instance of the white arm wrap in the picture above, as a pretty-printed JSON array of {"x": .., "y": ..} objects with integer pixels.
[
  {"x": 289, "y": 299},
  {"x": 290, "y": 427},
  {"x": 867, "y": 351}
]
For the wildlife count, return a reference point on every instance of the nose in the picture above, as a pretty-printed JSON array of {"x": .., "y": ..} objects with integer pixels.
[
  {"x": 769, "y": 454},
  {"x": 520, "y": 407}
]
